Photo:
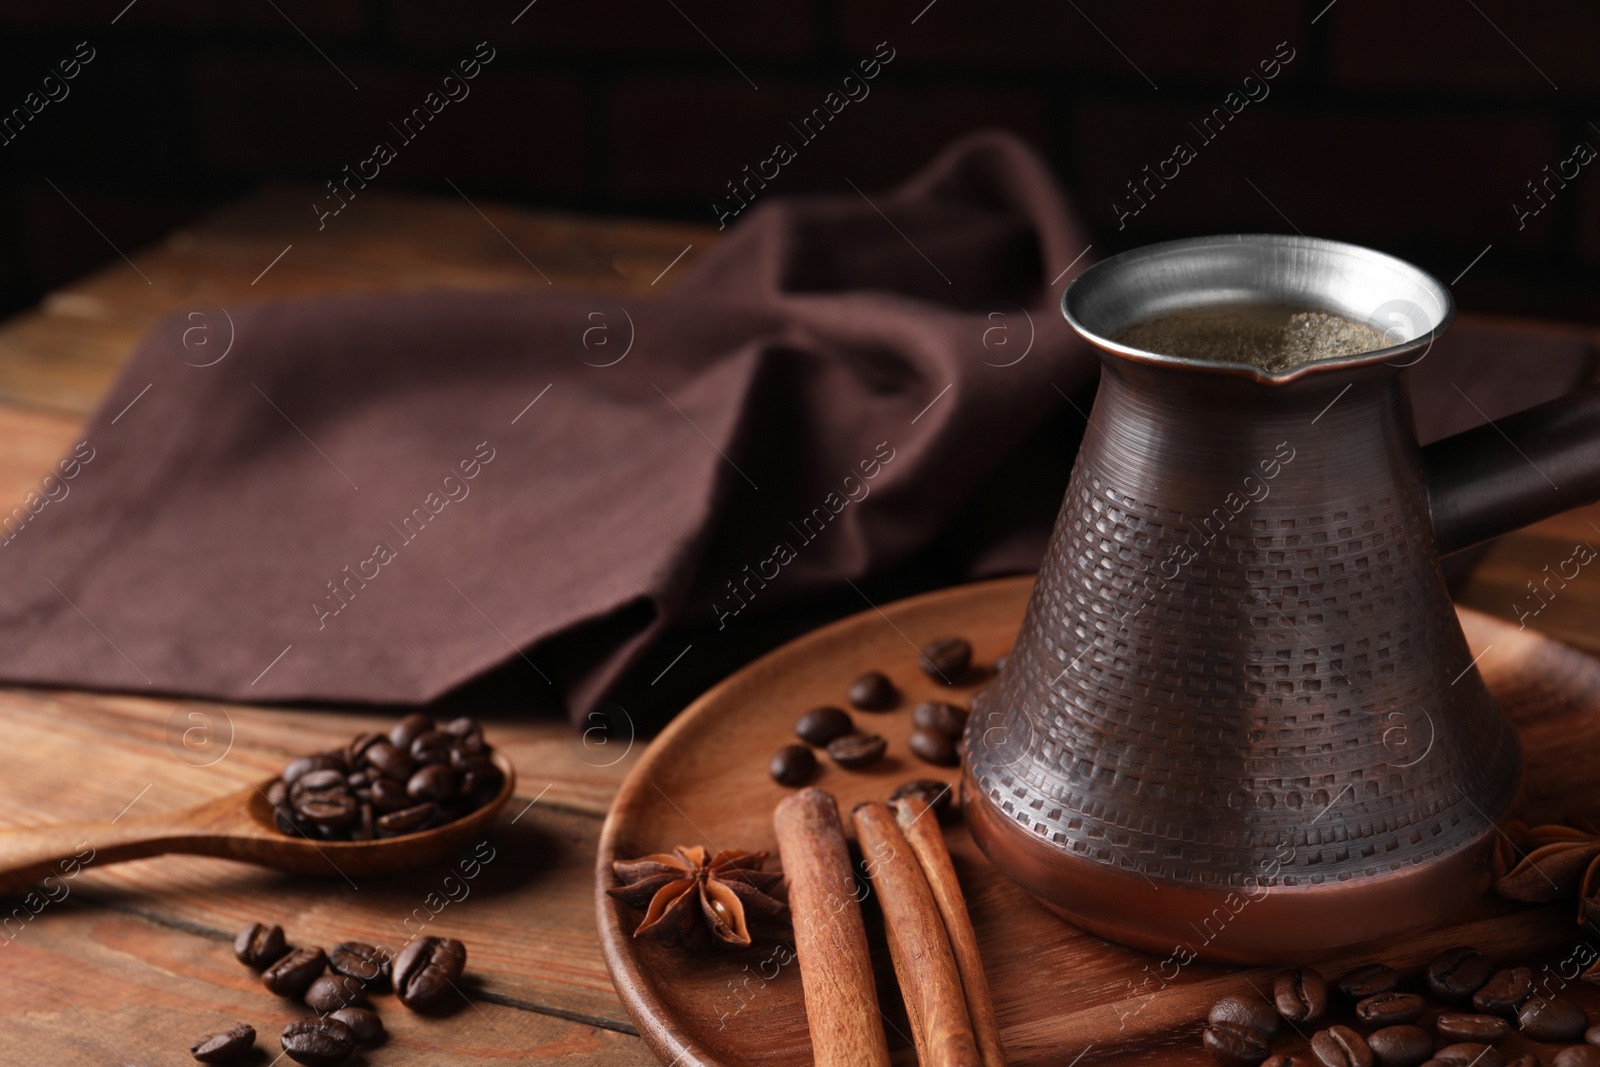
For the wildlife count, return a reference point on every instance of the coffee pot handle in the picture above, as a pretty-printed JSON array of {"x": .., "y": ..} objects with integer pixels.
[{"x": 1507, "y": 474}]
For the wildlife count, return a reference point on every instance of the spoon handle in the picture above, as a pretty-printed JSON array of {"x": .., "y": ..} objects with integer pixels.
[{"x": 44, "y": 856}]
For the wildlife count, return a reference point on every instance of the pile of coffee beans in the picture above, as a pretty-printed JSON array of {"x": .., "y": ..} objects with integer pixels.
[
  {"x": 423, "y": 976},
  {"x": 937, "y": 725},
  {"x": 1366, "y": 1020},
  {"x": 417, "y": 776}
]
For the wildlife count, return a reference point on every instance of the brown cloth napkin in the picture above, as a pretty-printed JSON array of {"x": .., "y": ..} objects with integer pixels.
[{"x": 377, "y": 498}]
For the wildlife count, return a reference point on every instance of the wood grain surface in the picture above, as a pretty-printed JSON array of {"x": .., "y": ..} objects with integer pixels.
[
  {"x": 1060, "y": 993},
  {"x": 135, "y": 963}
]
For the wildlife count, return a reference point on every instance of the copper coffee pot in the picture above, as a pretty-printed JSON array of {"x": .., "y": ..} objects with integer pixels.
[{"x": 1240, "y": 720}]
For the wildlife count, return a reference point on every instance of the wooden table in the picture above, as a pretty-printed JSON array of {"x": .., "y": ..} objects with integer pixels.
[{"x": 135, "y": 963}]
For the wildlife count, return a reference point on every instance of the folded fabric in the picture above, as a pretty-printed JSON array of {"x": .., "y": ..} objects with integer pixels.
[{"x": 377, "y": 498}]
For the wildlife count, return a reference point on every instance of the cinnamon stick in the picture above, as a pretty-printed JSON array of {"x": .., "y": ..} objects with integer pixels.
[
  {"x": 918, "y": 944},
  {"x": 829, "y": 937},
  {"x": 927, "y": 842}
]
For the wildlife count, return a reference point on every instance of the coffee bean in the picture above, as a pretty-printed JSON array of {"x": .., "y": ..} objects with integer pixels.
[
  {"x": 1234, "y": 1045},
  {"x": 1282, "y": 1059},
  {"x": 428, "y": 970},
  {"x": 948, "y": 719},
  {"x": 934, "y": 747},
  {"x": 1340, "y": 1046},
  {"x": 291, "y": 975},
  {"x": 1253, "y": 1012},
  {"x": 296, "y": 769},
  {"x": 334, "y": 991},
  {"x": 366, "y": 827},
  {"x": 407, "y": 820},
  {"x": 226, "y": 1046},
  {"x": 464, "y": 728},
  {"x": 358, "y": 747},
  {"x": 1400, "y": 1046},
  {"x": 793, "y": 765},
  {"x": 432, "y": 747},
  {"x": 361, "y": 961},
  {"x": 388, "y": 760},
  {"x": 259, "y": 945},
  {"x": 1592, "y": 1035},
  {"x": 318, "y": 1040},
  {"x": 278, "y": 795},
  {"x": 333, "y": 809},
  {"x": 1504, "y": 992},
  {"x": 435, "y": 782},
  {"x": 1469, "y": 1054},
  {"x": 1578, "y": 1056},
  {"x": 873, "y": 692},
  {"x": 409, "y": 729},
  {"x": 1390, "y": 1009},
  {"x": 856, "y": 750},
  {"x": 1484, "y": 1029},
  {"x": 1554, "y": 1019},
  {"x": 1368, "y": 981},
  {"x": 946, "y": 659},
  {"x": 364, "y": 1024},
  {"x": 930, "y": 791},
  {"x": 1457, "y": 973},
  {"x": 482, "y": 784},
  {"x": 821, "y": 725},
  {"x": 389, "y": 795},
  {"x": 327, "y": 778},
  {"x": 1527, "y": 1059},
  {"x": 1301, "y": 995}
]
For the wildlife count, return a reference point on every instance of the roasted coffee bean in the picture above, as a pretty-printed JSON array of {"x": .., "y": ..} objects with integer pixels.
[
  {"x": 1400, "y": 1046},
  {"x": 1301, "y": 995},
  {"x": 1469, "y": 1054},
  {"x": 366, "y": 827},
  {"x": 388, "y": 760},
  {"x": 1390, "y": 1009},
  {"x": 1592, "y": 1035},
  {"x": 389, "y": 795},
  {"x": 1253, "y": 1012},
  {"x": 1578, "y": 1056},
  {"x": 821, "y": 725},
  {"x": 435, "y": 782},
  {"x": 1282, "y": 1059},
  {"x": 432, "y": 747},
  {"x": 873, "y": 692},
  {"x": 318, "y": 1040},
  {"x": 946, "y": 659},
  {"x": 934, "y": 747},
  {"x": 930, "y": 791},
  {"x": 793, "y": 765},
  {"x": 427, "y": 970},
  {"x": 331, "y": 808},
  {"x": 291, "y": 975},
  {"x": 278, "y": 795},
  {"x": 1457, "y": 973},
  {"x": 1484, "y": 1029},
  {"x": 334, "y": 991},
  {"x": 1235, "y": 1045},
  {"x": 1527, "y": 1059},
  {"x": 259, "y": 945},
  {"x": 1340, "y": 1046},
  {"x": 409, "y": 729},
  {"x": 482, "y": 784},
  {"x": 361, "y": 961},
  {"x": 1552, "y": 1019},
  {"x": 463, "y": 728},
  {"x": 948, "y": 719},
  {"x": 1504, "y": 992},
  {"x": 321, "y": 761},
  {"x": 226, "y": 1046},
  {"x": 363, "y": 1023},
  {"x": 1368, "y": 981},
  {"x": 856, "y": 750},
  {"x": 317, "y": 781},
  {"x": 358, "y": 746},
  {"x": 407, "y": 820}
]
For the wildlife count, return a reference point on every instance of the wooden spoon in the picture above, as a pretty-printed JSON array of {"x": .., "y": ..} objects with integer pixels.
[{"x": 238, "y": 826}]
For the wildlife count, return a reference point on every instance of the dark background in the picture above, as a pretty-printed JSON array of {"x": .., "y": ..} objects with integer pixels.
[{"x": 1412, "y": 127}]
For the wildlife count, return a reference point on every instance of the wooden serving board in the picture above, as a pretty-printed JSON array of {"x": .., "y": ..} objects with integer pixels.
[{"x": 1063, "y": 996}]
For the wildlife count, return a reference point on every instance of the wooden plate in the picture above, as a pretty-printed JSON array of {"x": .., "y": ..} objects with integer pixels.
[{"x": 1063, "y": 996}]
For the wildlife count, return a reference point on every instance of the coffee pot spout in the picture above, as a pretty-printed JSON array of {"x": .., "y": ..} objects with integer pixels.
[{"x": 1507, "y": 474}]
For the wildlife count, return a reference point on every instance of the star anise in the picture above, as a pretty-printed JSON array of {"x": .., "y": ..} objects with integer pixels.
[
  {"x": 689, "y": 892},
  {"x": 1555, "y": 861}
]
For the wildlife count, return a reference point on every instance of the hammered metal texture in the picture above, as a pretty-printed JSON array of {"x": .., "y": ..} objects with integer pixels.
[{"x": 1296, "y": 699}]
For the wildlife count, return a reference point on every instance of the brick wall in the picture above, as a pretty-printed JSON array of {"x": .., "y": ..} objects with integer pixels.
[{"x": 1413, "y": 127}]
